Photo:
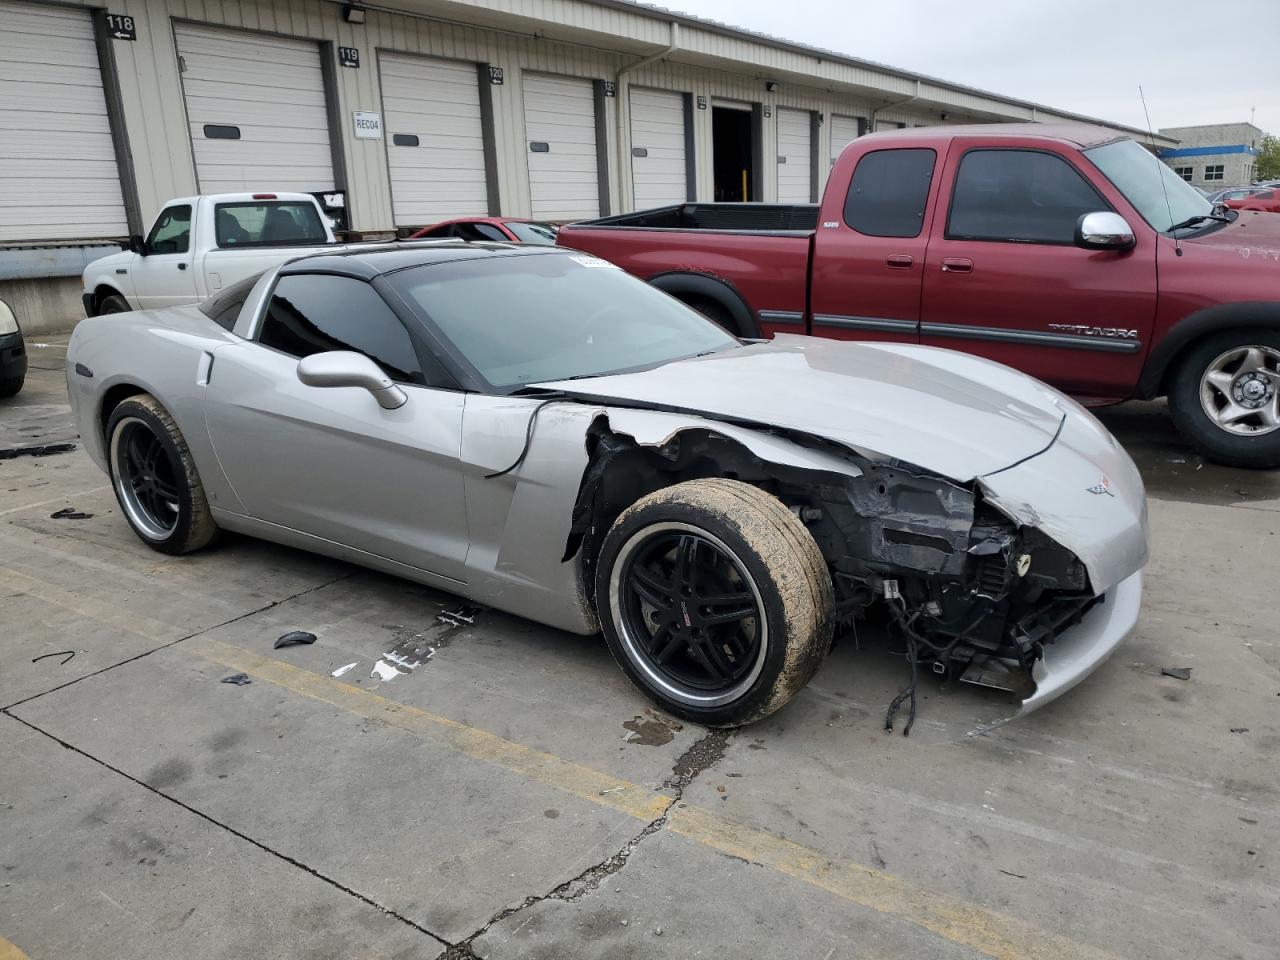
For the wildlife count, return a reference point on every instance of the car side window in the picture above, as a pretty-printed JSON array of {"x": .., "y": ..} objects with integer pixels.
[
  {"x": 438, "y": 232},
  {"x": 224, "y": 308},
  {"x": 316, "y": 313},
  {"x": 171, "y": 233},
  {"x": 479, "y": 231},
  {"x": 889, "y": 191},
  {"x": 1021, "y": 196}
]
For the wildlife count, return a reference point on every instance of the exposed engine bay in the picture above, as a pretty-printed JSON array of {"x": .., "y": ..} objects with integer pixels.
[{"x": 970, "y": 594}]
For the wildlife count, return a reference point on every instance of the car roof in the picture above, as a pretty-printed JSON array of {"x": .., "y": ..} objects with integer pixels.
[
  {"x": 1081, "y": 134},
  {"x": 366, "y": 263}
]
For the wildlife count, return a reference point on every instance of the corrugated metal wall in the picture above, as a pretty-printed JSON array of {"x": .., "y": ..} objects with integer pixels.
[{"x": 156, "y": 122}]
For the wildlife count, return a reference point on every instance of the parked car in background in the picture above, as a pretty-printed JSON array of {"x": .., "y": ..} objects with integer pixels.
[
  {"x": 1267, "y": 201},
  {"x": 505, "y": 229},
  {"x": 537, "y": 431},
  {"x": 1034, "y": 245},
  {"x": 200, "y": 245},
  {"x": 13, "y": 353},
  {"x": 1234, "y": 193}
]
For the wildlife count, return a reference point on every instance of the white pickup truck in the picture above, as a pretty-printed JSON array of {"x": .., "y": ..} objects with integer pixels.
[{"x": 198, "y": 245}]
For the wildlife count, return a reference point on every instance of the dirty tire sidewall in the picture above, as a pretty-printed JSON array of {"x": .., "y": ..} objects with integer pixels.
[
  {"x": 195, "y": 527},
  {"x": 10, "y": 387},
  {"x": 782, "y": 559},
  {"x": 1194, "y": 424}
]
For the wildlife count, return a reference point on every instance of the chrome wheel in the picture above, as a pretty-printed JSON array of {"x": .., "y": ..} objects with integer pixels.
[
  {"x": 144, "y": 479},
  {"x": 1239, "y": 390},
  {"x": 688, "y": 614}
]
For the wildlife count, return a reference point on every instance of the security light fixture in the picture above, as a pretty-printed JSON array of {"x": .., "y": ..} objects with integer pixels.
[
  {"x": 353, "y": 13},
  {"x": 771, "y": 86}
]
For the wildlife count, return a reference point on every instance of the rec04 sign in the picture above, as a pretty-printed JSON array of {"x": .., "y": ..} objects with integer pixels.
[{"x": 368, "y": 126}]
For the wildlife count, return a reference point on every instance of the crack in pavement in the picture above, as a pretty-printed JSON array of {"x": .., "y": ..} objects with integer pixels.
[
  {"x": 232, "y": 830},
  {"x": 703, "y": 754},
  {"x": 171, "y": 643}
]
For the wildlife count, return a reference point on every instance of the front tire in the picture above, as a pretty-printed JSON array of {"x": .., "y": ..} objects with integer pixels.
[
  {"x": 114, "y": 303},
  {"x": 715, "y": 601},
  {"x": 155, "y": 478},
  {"x": 11, "y": 386},
  {"x": 1225, "y": 397}
]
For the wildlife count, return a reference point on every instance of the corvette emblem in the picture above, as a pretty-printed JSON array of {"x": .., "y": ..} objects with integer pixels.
[{"x": 1102, "y": 486}]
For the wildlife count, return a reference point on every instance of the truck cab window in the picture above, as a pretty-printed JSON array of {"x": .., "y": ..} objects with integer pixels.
[
  {"x": 1022, "y": 196},
  {"x": 888, "y": 193},
  {"x": 315, "y": 313},
  {"x": 171, "y": 233},
  {"x": 274, "y": 223}
]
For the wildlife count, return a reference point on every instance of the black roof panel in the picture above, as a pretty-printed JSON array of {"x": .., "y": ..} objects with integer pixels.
[{"x": 369, "y": 261}]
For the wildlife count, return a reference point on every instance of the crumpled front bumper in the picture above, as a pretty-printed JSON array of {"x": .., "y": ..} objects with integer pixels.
[{"x": 1078, "y": 651}]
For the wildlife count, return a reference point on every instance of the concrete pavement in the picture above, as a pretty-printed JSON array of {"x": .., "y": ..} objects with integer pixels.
[{"x": 514, "y": 797}]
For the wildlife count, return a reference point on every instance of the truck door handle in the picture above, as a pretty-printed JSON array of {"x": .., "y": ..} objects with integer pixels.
[
  {"x": 182, "y": 266},
  {"x": 957, "y": 265},
  {"x": 900, "y": 260}
]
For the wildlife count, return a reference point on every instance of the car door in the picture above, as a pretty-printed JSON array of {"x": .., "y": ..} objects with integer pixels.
[
  {"x": 1004, "y": 279},
  {"x": 867, "y": 266},
  {"x": 329, "y": 461},
  {"x": 162, "y": 275}
]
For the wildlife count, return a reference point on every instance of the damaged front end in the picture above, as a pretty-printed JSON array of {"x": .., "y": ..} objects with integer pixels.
[{"x": 972, "y": 594}]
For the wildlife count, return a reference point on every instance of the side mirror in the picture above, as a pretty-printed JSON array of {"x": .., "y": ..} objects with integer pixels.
[
  {"x": 1104, "y": 231},
  {"x": 137, "y": 245},
  {"x": 345, "y": 368}
]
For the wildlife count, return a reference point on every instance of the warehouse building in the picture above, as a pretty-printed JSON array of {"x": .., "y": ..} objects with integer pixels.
[
  {"x": 412, "y": 112},
  {"x": 1214, "y": 156}
]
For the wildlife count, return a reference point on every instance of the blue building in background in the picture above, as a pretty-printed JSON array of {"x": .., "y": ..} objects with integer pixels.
[{"x": 1215, "y": 156}]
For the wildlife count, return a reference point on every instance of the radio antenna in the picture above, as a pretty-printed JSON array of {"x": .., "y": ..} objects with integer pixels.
[{"x": 1164, "y": 187}]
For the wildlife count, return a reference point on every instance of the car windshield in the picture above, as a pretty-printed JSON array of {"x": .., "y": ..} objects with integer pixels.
[
  {"x": 528, "y": 319},
  {"x": 542, "y": 233},
  {"x": 1161, "y": 196}
]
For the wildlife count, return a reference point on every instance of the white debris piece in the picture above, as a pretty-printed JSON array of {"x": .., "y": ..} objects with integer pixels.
[
  {"x": 341, "y": 670},
  {"x": 384, "y": 671}
]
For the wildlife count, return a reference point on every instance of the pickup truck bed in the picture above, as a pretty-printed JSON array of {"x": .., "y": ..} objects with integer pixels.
[{"x": 1066, "y": 252}]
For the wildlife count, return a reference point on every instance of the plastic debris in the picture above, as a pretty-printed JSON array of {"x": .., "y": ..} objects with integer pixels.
[
  {"x": 295, "y": 636},
  {"x": 1178, "y": 673},
  {"x": 70, "y": 513},
  {"x": 384, "y": 671},
  {"x": 464, "y": 615},
  {"x": 1239, "y": 729},
  {"x": 43, "y": 450},
  {"x": 341, "y": 670},
  {"x": 239, "y": 679}
]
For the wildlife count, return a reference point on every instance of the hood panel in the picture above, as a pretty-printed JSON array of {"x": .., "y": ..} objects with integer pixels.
[
  {"x": 1254, "y": 234},
  {"x": 951, "y": 413}
]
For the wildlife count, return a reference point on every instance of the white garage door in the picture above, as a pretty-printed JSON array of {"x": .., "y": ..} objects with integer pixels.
[
  {"x": 435, "y": 139},
  {"x": 560, "y": 127},
  {"x": 844, "y": 130},
  {"x": 58, "y": 175},
  {"x": 257, "y": 111},
  {"x": 658, "y": 171},
  {"x": 795, "y": 160}
]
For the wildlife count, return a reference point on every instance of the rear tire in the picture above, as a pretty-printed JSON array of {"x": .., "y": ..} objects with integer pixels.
[
  {"x": 715, "y": 601},
  {"x": 1225, "y": 397},
  {"x": 114, "y": 303},
  {"x": 716, "y": 313},
  {"x": 11, "y": 386},
  {"x": 155, "y": 478}
]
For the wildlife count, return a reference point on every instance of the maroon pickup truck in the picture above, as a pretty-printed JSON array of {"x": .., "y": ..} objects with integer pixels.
[{"x": 1063, "y": 251}]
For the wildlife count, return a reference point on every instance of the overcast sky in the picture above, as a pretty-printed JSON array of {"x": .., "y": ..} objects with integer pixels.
[{"x": 1199, "y": 61}]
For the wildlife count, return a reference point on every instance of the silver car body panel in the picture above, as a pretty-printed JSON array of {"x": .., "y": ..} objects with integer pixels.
[{"x": 408, "y": 491}]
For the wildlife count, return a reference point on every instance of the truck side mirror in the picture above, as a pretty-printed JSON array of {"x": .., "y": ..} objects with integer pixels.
[
  {"x": 137, "y": 245},
  {"x": 1104, "y": 230}
]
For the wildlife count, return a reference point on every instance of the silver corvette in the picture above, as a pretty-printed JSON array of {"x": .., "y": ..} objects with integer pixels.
[{"x": 537, "y": 431}]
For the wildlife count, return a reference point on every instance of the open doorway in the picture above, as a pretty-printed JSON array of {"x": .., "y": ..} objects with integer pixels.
[{"x": 732, "y": 155}]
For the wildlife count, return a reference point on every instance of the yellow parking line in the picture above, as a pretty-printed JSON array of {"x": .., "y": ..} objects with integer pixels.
[
  {"x": 959, "y": 921},
  {"x": 9, "y": 952},
  {"x": 98, "y": 611}
]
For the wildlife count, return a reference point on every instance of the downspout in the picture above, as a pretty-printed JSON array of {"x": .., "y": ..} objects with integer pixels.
[
  {"x": 624, "y": 114},
  {"x": 875, "y": 114}
]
